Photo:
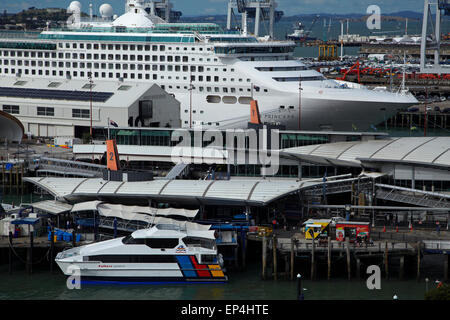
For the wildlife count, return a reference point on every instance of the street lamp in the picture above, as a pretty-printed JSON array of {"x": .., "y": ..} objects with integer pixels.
[
  {"x": 299, "y": 102},
  {"x": 90, "y": 104}
]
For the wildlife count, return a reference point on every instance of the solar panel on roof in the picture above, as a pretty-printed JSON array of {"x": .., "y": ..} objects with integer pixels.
[{"x": 55, "y": 94}]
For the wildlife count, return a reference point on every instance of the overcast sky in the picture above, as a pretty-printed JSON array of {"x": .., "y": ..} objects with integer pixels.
[{"x": 206, "y": 7}]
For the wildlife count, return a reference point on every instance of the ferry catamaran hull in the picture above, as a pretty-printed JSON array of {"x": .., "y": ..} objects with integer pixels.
[{"x": 158, "y": 254}]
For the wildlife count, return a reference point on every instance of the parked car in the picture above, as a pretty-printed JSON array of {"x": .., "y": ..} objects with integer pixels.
[{"x": 335, "y": 220}]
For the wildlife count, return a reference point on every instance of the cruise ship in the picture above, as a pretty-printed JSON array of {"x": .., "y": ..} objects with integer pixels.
[
  {"x": 213, "y": 73},
  {"x": 162, "y": 253}
]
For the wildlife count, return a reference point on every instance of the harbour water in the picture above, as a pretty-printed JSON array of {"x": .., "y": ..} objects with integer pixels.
[{"x": 245, "y": 285}]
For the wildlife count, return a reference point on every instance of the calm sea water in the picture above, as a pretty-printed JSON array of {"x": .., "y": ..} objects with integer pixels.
[{"x": 242, "y": 286}]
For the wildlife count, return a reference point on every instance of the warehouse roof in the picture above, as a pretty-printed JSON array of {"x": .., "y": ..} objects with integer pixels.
[
  {"x": 107, "y": 93},
  {"x": 237, "y": 192},
  {"x": 427, "y": 151}
]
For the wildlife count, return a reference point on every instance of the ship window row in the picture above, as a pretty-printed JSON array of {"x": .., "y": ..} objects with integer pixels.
[
  {"x": 81, "y": 74},
  {"x": 132, "y": 258},
  {"x": 275, "y": 69},
  {"x": 127, "y": 47},
  {"x": 297, "y": 79},
  {"x": 26, "y": 54},
  {"x": 103, "y": 46}
]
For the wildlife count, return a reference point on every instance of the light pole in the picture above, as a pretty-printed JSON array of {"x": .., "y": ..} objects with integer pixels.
[
  {"x": 190, "y": 101},
  {"x": 90, "y": 104},
  {"x": 299, "y": 102}
]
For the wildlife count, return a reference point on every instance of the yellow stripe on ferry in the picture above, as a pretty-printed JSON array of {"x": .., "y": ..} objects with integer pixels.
[{"x": 216, "y": 271}]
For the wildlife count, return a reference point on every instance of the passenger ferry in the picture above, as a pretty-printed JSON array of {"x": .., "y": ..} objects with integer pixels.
[
  {"x": 213, "y": 73},
  {"x": 163, "y": 253}
]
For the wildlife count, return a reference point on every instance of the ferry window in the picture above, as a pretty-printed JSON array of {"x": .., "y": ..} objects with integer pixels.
[
  {"x": 11, "y": 109},
  {"x": 177, "y": 68},
  {"x": 89, "y": 46},
  {"x": 140, "y": 67},
  {"x": 125, "y": 57},
  {"x": 177, "y": 59},
  {"x": 132, "y": 57},
  {"x": 185, "y": 59},
  {"x": 154, "y": 58},
  {"x": 147, "y": 58},
  {"x": 81, "y": 45},
  {"x": 155, "y": 77},
  {"x": 117, "y": 46},
  {"x": 201, "y": 49},
  {"x": 60, "y": 45},
  {"x": 147, "y": 48},
  {"x": 80, "y": 113},
  {"x": 132, "y": 67},
  {"x": 199, "y": 242},
  {"x": 130, "y": 240},
  {"x": 216, "y": 78},
  {"x": 118, "y": 57},
  {"x": 169, "y": 58},
  {"x": 67, "y": 45},
  {"x": 82, "y": 55},
  {"x": 208, "y": 258},
  {"x": 154, "y": 48},
  {"x": 161, "y": 243},
  {"x": 125, "y": 47},
  {"x": 139, "y": 47},
  {"x": 162, "y": 58},
  {"x": 96, "y": 46},
  {"x": 162, "y": 68},
  {"x": 45, "y": 111},
  {"x": 110, "y": 47},
  {"x": 139, "y": 58},
  {"x": 103, "y": 46},
  {"x": 132, "y": 47},
  {"x": 89, "y": 56},
  {"x": 96, "y": 56},
  {"x": 185, "y": 68},
  {"x": 74, "y": 55},
  {"x": 103, "y": 57},
  {"x": 169, "y": 68},
  {"x": 162, "y": 48}
]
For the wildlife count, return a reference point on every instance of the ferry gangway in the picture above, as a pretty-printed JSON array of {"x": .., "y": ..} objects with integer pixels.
[
  {"x": 412, "y": 196},
  {"x": 177, "y": 170},
  {"x": 44, "y": 165},
  {"x": 338, "y": 186}
]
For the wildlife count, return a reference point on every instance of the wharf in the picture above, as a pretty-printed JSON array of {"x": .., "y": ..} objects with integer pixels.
[{"x": 393, "y": 252}]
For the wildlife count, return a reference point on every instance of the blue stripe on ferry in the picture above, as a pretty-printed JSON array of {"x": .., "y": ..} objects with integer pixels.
[{"x": 186, "y": 266}]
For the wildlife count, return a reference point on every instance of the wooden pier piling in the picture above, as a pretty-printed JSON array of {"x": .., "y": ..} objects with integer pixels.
[
  {"x": 347, "y": 248},
  {"x": 402, "y": 267},
  {"x": 52, "y": 248},
  {"x": 329, "y": 258},
  {"x": 264, "y": 257},
  {"x": 313, "y": 261},
  {"x": 10, "y": 252},
  {"x": 386, "y": 260},
  {"x": 446, "y": 267},
  {"x": 30, "y": 255},
  {"x": 292, "y": 258},
  {"x": 418, "y": 259},
  {"x": 358, "y": 268},
  {"x": 243, "y": 249},
  {"x": 274, "y": 251}
]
